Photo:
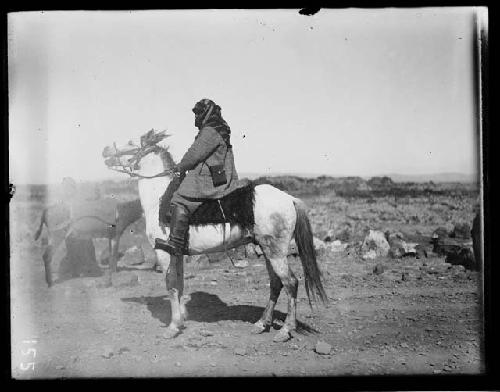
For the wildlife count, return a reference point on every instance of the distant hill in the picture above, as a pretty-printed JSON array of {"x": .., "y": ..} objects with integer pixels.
[
  {"x": 418, "y": 178},
  {"x": 360, "y": 187},
  {"x": 299, "y": 184},
  {"x": 438, "y": 178}
]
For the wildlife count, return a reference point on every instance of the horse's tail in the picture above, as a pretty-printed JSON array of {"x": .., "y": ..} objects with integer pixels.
[
  {"x": 305, "y": 244},
  {"x": 40, "y": 227}
]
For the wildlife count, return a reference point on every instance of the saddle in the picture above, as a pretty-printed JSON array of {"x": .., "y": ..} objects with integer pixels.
[{"x": 235, "y": 208}]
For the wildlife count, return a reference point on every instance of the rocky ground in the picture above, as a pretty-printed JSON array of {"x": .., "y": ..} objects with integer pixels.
[{"x": 385, "y": 316}]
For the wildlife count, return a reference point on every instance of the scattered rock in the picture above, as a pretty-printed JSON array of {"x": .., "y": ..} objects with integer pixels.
[
  {"x": 206, "y": 332},
  {"x": 323, "y": 348},
  {"x": 330, "y": 235},
  {"x": 398, "y": 246},
  {"x": 337, "y": 246},
  {"x": 107, "y": 352},
  {"x": 320, "y": 246},
  {"x": 370, "y": 255},
  {"x": 410, "y": 248},
  {"x": 392, "y": 235},
  {"x": 195, "y": 342},
  {"x": 60, "y": 367},
  {"x": 240, "y": 351},
  {"x": 241, "y": 263},
  {"x": 378, "y": 269},
  {"x": 405, "y": 276},
  {"x": 397, "y": 250},
  {"x": 375, "y": 241},
  {"x": 254, "y": 250}
]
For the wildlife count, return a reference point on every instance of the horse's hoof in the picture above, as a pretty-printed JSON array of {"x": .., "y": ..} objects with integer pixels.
[
  {"x": 171, "y": 333},
  {"x": 282, "y": 336},
  {"x": 260, "y": 327}
]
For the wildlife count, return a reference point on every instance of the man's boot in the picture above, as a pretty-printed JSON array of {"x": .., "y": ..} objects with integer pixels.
[{"x": 179, "y": 226}]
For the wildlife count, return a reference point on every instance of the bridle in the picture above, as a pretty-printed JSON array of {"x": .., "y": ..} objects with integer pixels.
[{"x": 142, "y": 151}]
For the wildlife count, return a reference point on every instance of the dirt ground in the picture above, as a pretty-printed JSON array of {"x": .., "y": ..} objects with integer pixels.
[{"x": 418, "y": 317}]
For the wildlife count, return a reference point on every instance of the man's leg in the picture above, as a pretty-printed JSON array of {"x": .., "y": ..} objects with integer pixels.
[{"x": 181, "y": 210}]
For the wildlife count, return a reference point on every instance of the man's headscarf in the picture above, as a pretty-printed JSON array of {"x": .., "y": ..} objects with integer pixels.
[{"x": 208, "y": 113}]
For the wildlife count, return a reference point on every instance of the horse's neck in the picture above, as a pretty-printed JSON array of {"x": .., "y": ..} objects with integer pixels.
[{"x": 151, "y": 189}]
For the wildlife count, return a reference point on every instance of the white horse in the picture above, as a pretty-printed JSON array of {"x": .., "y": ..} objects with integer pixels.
[{"x": 279, "y": 217}]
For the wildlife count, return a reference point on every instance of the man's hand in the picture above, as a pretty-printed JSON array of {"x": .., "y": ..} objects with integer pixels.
[{"x": 176, "y": 171}]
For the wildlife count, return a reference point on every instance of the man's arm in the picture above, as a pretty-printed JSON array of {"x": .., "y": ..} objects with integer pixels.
[{"x": 208, "y": 140}]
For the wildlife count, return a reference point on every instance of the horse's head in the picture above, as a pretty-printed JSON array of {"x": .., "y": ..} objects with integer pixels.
[{"x": 140, "y": 159}]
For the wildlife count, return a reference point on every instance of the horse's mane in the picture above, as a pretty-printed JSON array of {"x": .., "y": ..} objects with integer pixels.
[{"x": 166, "y": 157}]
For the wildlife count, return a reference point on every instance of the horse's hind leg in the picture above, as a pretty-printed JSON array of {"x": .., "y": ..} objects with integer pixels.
[
  {"x": 114, "y": 247},
  {"x": 280, "y": 265},
  {"x": 276, "y": 250},
  {"x": 275, "y": 286}
]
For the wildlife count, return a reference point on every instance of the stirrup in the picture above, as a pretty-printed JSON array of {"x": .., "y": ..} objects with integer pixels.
[{"x": 171, "y": 248}]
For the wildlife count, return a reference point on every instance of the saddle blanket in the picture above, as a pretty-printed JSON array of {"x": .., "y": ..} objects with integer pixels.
[{"x": 237, "y": 207}]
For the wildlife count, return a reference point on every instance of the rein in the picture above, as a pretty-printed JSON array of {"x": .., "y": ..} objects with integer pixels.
[
  {"x": 132, "y": 174},
  {"x": 143, "y": 151}
]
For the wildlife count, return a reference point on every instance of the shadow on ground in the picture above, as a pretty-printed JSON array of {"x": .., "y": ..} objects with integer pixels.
[
  {"x": 209, "y": 308},
  {"x": 78, "y": 271}
]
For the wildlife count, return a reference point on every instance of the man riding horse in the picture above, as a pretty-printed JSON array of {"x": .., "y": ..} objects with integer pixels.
[{"x": 206, "y": 172}]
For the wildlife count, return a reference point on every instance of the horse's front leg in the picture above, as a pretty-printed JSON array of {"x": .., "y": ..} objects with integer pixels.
[
  {"x": 114, "y": 245},
  {"x": 174, "y": 295},
  {"x": 183, "y": 298}
]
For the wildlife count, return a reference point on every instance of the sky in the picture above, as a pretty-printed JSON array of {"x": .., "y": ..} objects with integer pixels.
[{"x": 342, "y": 92}]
